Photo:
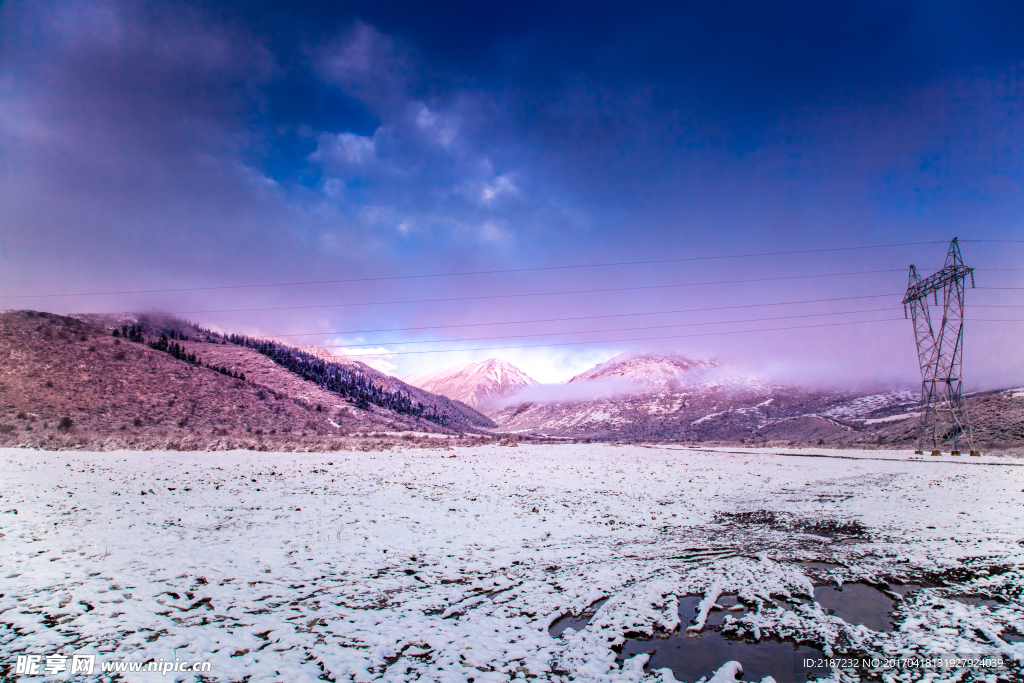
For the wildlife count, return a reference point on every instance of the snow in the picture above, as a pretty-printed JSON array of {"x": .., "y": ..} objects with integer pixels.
[
  {"x": 658, "y": 371},
  {"x": 863, "y": 406},
  {"x": 739, "y": 411},
  {"x": 479, "y": 385},
  {"x": 705, "y": 605},
  {"x": 431, "y": 565},
  {"x": 665, "y": 403},
  {"x": 892, "y": 418}
]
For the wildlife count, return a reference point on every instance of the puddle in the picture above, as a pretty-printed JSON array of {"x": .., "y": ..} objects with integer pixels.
[
  {"x": 851, "y": 541},
  {"x": 976, "y": 600},
  {"x": 820, "y": 565},
  {"x": 716, "y": 617},
  {"x": 1012, "y": 637},
  {"x": 905, "y": 589},
  {"x": 576, "y": 623},
  {"x": 691, "y": 657},
  {"x": 857, "y": 603},
  {"x": 791, "y": 602}
]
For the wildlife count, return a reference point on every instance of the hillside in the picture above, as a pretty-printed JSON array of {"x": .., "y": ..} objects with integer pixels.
[
  {"x": 673, "y": 397},
  {"x": 297, "y": 371},
  {"x": 480, "y": 385},
  {"x": 67, "y": 382}
]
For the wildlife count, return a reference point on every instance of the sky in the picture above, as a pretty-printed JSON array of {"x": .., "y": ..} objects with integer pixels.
[{"x": 208, "y": 158}]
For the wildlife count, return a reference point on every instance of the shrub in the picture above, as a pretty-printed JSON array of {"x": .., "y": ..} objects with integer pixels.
[
  {"x": 6, "y": 429},
  {"x": 65, "y": 424}
]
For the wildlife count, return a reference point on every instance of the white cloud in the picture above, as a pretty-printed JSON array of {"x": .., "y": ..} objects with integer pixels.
[
  {"x": 502, "y": 185},
  {"x": 545, "y": 364},
  {"x": 333, "y": 187},
  {"x": 492, "y": 232},
  {"x": 378, "y": 358},
  {"x": 440, "y": 129},
  {"x": 605, "y": 387},
  {"x": 346, "y": 148}
]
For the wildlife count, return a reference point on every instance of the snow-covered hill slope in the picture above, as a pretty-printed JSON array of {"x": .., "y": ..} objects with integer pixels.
[
  {"x": 650, "y": 370},
  {"x": 480, "y": 385},
  {"x": 661, "y": 395}
]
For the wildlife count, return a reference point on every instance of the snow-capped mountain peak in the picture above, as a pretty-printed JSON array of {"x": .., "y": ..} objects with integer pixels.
[
  {"x": 480, "y": 385},
  {"x": 656, "y": 370}
]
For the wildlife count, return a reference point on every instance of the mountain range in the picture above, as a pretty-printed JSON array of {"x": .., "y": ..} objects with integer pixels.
[
  {"x": 657, "y": 395},
  {"x": 150, "y": 381}
]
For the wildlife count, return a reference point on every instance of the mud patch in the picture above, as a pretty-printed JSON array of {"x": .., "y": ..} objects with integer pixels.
[
  {"x": 784, "y": 521},
  {"x": 820, "y": 565}
]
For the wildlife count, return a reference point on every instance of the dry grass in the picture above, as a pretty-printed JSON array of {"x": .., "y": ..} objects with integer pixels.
[{"x": 67, "y": 383}]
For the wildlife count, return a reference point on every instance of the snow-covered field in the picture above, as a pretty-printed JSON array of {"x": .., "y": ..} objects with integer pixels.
[{"x": 450, "y": 565}]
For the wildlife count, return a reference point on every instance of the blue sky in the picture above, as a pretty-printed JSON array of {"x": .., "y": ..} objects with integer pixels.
[{"x": 150, "y": 146}]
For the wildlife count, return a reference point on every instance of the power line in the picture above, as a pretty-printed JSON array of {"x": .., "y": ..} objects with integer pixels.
[
  {"x": 618, "y": 329},
  {"x": 555, "y": 293},
  {"x": 674, "y": 336},
  {"x": 634, "y": 339},
  {"x": 533, "y": 294},
  {"x": 581, "y": 317},
  {"x": 475, "y": 272}
]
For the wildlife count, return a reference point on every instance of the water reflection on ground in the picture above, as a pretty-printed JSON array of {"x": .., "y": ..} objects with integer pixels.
[
  {"x": 575, "y": 622},
  {"x": 693, "y": 656},
  {"x": 857, "y": 603}
]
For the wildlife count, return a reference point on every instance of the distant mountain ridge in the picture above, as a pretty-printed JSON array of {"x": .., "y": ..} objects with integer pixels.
[
  {"x": 482, "y": 386},
  {"x": 653, "y": 370},
  {"x": 664, "y": 395},
  {"x": 153, "y": 381}
]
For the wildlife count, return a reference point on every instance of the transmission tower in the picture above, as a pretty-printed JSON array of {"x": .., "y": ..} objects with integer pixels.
[{"x": 940, "y": 350}]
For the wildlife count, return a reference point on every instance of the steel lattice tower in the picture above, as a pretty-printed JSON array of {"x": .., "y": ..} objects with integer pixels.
[{"x": 940, "y": 350}]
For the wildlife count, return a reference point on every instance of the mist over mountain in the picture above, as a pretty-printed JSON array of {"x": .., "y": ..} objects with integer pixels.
[
  {"x": 480, "y": 385},
  {"x": 657, "y": 394}
]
